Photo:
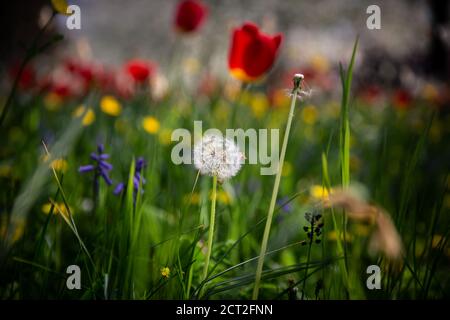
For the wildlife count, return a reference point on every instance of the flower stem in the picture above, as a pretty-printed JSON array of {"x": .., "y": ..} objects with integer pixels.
[
  {"x": 211, "y": 227},
  {"x": 274, "y": 195},
  {"x": 307, "y": 260}
]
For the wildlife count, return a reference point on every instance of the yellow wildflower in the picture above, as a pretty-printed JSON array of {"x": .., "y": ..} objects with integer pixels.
[
  {"x": 309, "y": 114},
  {"x": 362, "y": 230},
  {"x": 60, "y": 6},
  {"x": 195, "y": 198},
  {"x": 59, "y": 165},
  {"x": 111, "y": 106},
  {"x": 223, "y": 197},
  {"x": 89, "y": 115},
  {"x": 165, "y": 272},
  {"x": 259, "y": 105},
  {"x": 151, "y": 124},
  {"x": 16, "y": 230},
  {"x": 332, "y": 235},
  {"x": 59, "y": 208},
  {"x": 319, "y": 192},
  {"x": 52, "y": 102}
]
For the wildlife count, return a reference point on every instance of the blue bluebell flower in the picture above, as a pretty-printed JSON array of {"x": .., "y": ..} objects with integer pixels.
[
  {"x": 100, "y": 168},
  {"x": 137, "y": 179}
]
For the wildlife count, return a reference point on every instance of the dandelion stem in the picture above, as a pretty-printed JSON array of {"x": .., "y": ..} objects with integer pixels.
[
  {"x": 297, "y": 84},
  {"x": 211, "y": 227}
]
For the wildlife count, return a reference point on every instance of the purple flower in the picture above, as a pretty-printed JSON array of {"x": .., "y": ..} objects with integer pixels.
[
  {"x": 100, "y": 168},
  {"x": 119, "y": 188},
  {"x": 285, "y": 204},
  {"x": 286, "y": 208},
  {"x": 137, "y": 179}
]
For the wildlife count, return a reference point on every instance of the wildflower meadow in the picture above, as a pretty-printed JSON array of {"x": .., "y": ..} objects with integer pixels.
[{"x": 257, "y": 162}]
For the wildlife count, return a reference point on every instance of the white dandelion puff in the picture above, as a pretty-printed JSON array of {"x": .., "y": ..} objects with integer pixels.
[{"x": 217, "y": 156}]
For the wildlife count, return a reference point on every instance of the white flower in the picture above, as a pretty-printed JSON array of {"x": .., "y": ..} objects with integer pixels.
[{"x": 215, "y": 155}]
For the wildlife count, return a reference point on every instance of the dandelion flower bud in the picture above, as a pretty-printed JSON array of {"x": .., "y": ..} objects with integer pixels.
[
  {"x": 298, "y": 78},
  {"x": 215, "y": 155}
]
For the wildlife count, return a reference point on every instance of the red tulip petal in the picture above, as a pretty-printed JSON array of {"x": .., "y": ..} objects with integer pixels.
[{"x": 252, "y": 53}]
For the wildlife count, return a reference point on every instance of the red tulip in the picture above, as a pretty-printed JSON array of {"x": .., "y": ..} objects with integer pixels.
[
  {"x": 27, "y": 77},
  {"x": 402, "y": 99},
  {"x": 140, "y": 70},
  {"x": 252, "y": 52},
  {"x": 80, "y": 68},
  {"x": 190, "y": 15}
]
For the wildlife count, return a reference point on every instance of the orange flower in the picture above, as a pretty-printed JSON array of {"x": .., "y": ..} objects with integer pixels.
[{"x": 252, "y": 52}]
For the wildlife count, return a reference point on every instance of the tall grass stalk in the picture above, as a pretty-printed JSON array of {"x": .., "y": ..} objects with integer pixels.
[
  {"x": 344, "y": 155},
  {"x": 297, "y": 86}
]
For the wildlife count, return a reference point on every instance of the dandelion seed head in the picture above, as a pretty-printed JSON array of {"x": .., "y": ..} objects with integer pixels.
[{"x": 215, "y": 155}]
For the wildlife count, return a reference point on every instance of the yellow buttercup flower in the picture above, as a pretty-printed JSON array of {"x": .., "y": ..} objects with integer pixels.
[
  {"x": 259, "y": 105},
  {"x": 89, "y": 116},
  {"x": 309, "y": 114},
  {"x": 194, "y": 198},
  {"x": 52, "y": 102},
  {"x": 60, "y": 207},
  {"x": 165, "y": 272},
  {"x": 362, "y": 230},
  {"x": 332, "y": 235},
  {"x": 151, "y": 124},
  {"x": 59, "y": 165},
  {"x": 223, "y": 197},
  {"x": 60, "y": 6},
  {"x": 110, "y": 106},
  {"x": 319, "y": 192},
  {"x": 15, "y": 230}
]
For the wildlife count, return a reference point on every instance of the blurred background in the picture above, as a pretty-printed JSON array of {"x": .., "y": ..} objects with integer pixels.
[{"x": 413, "y": 33}]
